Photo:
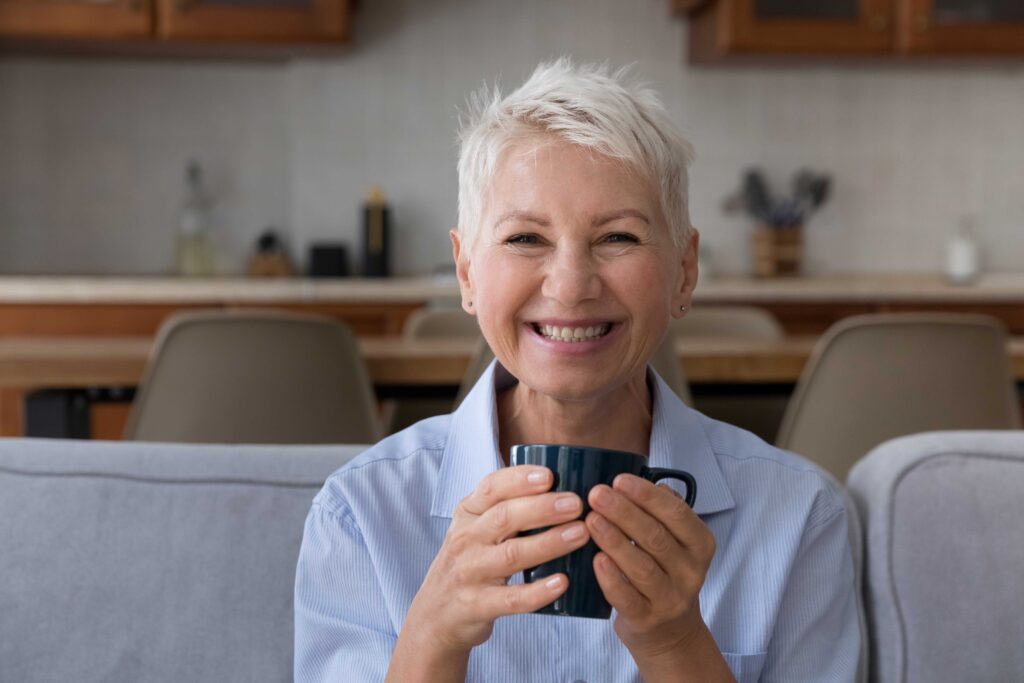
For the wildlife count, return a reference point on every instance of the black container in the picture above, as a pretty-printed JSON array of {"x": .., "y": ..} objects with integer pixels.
[
  {"x": 328, "y": 260},
  {"x": 376, "y": 236}
]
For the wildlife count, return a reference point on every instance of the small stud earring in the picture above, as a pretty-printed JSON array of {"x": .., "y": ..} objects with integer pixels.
[{"x": 682, "y": 308}]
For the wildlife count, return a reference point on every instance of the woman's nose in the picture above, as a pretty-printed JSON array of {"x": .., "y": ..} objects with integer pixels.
[{"x": 571, "y": 278}]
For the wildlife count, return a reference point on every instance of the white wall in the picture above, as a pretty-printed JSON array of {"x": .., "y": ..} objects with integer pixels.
[{"x": 91, "y": 151}]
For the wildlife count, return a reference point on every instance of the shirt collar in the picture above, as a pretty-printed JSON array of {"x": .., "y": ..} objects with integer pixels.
[{"x": 678, "y": 441}]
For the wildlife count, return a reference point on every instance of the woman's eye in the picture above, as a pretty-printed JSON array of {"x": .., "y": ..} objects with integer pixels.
[
  {"x": 522, "y": 239},
  {"x": 621, "y": 237}
]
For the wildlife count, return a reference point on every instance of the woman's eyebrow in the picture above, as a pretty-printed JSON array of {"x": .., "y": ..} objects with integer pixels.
[
  {"x": 520, "y": 215},
  {"x": 603, "y": 218}
]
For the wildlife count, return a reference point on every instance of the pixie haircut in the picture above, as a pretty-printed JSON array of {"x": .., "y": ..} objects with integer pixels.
[{"x": 585, "y": 105}]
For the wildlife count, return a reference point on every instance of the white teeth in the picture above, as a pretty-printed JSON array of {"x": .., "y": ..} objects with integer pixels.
[{"x": 573, "y": 334}]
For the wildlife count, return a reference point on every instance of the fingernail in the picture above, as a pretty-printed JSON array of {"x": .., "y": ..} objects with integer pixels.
[
  {"x": 554, "y": 582},
  {"x": 625, "y": 483},
  {"x": 602, "y": 496},
  {"x": 573, "y": 533},
  {"x": 566, "y": 502},
  {"x": 537, "y": 477}
]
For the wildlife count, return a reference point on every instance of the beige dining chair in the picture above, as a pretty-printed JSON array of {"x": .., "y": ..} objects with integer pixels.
[
  {"x": 758, "y": 409},
  {"x": 430, "y": 323},
  {"x": 254, "y": 377},
  {"x": 741, "y": 322},
  {"x": 875, "y": 377},
  {"x": 440, "y": 323}
]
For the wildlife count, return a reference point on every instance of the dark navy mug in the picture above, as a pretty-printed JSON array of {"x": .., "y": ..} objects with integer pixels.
[{"x": 578, "y": 469}]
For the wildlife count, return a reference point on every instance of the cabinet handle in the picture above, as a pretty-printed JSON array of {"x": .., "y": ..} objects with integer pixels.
[
  {"x": 878, "y": 22},
  {"x": 921, "y": 23}
]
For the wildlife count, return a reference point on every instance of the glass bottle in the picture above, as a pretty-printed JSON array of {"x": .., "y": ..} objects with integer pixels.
[
  {"x": 962, "y": 260},
  {"x": 194, "y": 256}
]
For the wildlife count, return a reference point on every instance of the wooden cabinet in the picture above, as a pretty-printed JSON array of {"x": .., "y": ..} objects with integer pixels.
[
  {"x": 150, "y": 23},
  {"x": 728, "y": 29},
  {"x": 767, "y": 27},
  {"x": 253, "y": 20},
  {"x": 981, "y": 27},
  {"x": 75, "y": 19}
]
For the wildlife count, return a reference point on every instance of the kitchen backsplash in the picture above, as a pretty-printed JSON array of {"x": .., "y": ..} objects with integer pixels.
[{"x": 93, "y": 151}]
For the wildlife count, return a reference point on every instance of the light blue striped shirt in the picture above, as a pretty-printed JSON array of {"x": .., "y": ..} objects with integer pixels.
[{"x": 779, "y": 597}]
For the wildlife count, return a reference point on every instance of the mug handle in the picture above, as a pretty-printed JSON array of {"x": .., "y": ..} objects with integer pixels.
[{"x": 656, "y": 474}]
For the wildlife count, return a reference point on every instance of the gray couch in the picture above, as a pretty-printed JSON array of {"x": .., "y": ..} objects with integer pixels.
[{"x": 125, "y": 562}]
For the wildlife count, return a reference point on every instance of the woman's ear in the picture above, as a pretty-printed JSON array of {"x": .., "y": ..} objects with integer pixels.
[
  {"x": 688, "y": 273},
  {"x": 463, "y": 268}
]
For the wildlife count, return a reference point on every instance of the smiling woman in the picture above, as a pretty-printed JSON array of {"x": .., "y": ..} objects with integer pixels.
[
  {"x": 574, "y": 250},
  {"x": 569, "y": 241}
]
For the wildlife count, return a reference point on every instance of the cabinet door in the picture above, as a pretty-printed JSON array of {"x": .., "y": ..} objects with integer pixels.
[
  {"x": 962, "y": 26},
  {"x": 272, "y": 21},
  {"x": 104, "y": 19},
  {"x": 801, "y": 26}
]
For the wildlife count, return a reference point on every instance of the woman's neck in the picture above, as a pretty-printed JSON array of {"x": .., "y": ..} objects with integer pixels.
[{"x": 620, "y": 420}]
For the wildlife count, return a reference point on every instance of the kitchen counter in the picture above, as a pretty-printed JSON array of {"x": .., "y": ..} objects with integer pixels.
[
  {"x": 873, "y": 288},
  {"x": 33, "y": 306}
]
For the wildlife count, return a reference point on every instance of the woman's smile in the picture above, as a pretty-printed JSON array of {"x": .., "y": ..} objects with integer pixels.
[{"x": 575, "y": 338}]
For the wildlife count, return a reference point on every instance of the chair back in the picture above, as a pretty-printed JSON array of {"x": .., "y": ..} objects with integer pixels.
[
  {"x": 254, "y": 377},
  {"x": 753, "y": 409},
  {"x": 876, "y": 377},
  {"x": 942, "y": 518},
  {"x": 744, "y": 322},
  {"x": 440, "y": 323}
]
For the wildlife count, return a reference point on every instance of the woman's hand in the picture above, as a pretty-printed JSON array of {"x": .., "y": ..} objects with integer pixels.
[
  {"x": 654, "y": 581},
  {"x": 465, "y": 589}
]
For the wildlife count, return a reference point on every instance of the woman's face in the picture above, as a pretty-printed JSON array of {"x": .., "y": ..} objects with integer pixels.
[{"x": 573, "y": 273}]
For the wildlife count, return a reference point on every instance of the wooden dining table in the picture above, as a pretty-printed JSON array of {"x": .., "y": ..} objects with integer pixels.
[
  {"x": 28, "y": 364},
  {"x": 48, "y": 362}
]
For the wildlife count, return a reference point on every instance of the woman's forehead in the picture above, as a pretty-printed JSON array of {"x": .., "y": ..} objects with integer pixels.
[{"x": 535, "y": 172}]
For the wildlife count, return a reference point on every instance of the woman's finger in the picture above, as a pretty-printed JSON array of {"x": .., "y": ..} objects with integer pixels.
[
  {"x": 516, "y": 554},
  {"x": 507, "y": 518},
  {"x": 618, "y": 591},
  {"x": 640, "y": 568},
  {"x": 498, "y": 601},
  {"x": 636, "y": 524},
  {"x": 504, "y": 484},
  {"x": 666, "y": 506}
]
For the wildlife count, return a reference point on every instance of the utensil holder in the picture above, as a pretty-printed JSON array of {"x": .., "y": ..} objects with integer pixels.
[{"x": 777, "y": 252}]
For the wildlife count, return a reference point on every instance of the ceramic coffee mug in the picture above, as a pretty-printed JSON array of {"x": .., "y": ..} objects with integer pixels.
[{"x": 578, "y": 469}]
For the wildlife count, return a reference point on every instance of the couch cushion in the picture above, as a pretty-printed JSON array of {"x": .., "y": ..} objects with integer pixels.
[
  {"x": 152, "y": 562},
  {"x": 945, "y": 556}
]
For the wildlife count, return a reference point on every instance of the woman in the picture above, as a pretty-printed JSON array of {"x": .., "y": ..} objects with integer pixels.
[{"x": 574, "y": 248}]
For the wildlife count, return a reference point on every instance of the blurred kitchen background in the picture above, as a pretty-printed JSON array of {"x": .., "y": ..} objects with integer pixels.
[
  {"x": 93, "y": 147},
  {"x": 853, "y": 157}
]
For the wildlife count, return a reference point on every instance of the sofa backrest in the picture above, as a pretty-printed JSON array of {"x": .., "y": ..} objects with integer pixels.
[
  {"x": 944, "y": 583},
  {"x": 152, "y": 562}
]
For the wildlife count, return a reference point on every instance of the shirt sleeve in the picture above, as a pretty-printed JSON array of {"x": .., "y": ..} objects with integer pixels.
[
  {"x": 342, "y": 628},
  {"x": 817, "y": 636}
]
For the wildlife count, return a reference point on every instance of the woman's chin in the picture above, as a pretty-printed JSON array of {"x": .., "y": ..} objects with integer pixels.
[{"x": 564, "y": 384}]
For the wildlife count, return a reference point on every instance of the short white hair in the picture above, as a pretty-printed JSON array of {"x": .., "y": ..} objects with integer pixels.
[{"x": 584, "y": 105}]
